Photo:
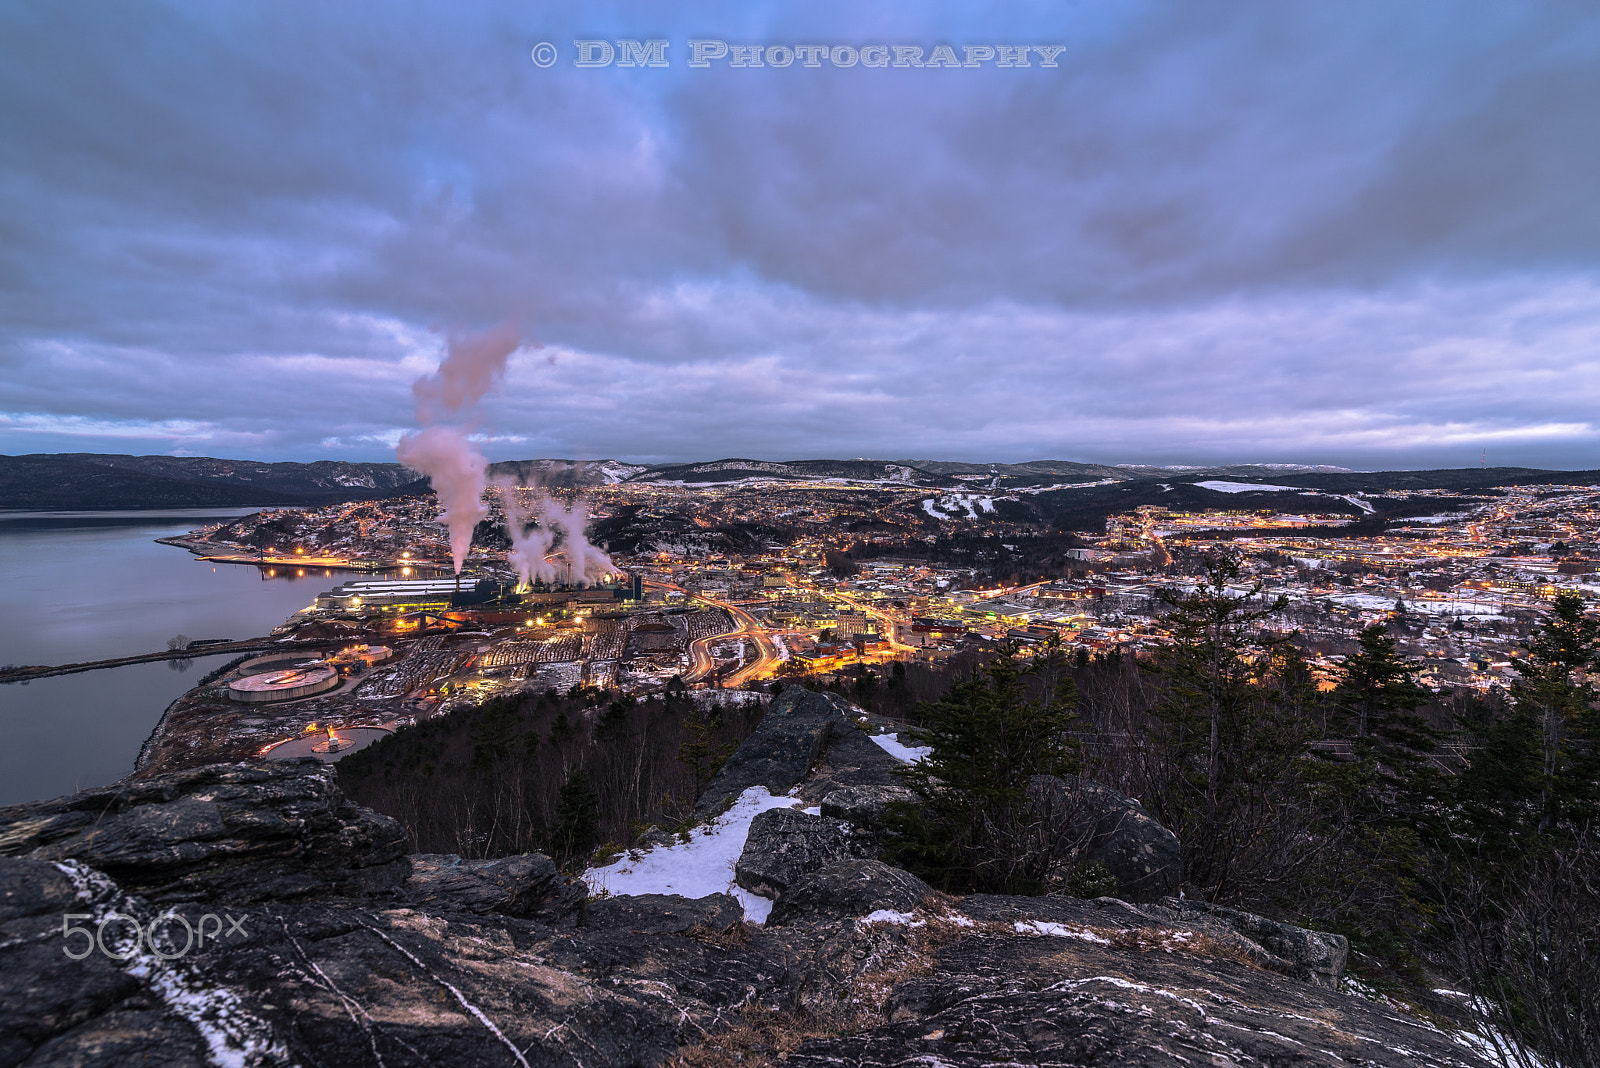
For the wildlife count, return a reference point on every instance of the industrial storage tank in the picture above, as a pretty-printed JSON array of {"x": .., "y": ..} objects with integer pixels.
[{"x": 283, "y": 685}]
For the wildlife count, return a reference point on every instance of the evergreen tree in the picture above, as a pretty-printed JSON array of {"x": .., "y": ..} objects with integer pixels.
[
  {"x": 577, "y": 827},
  {"x": 1558, "y": 703},
  {"x": 1380, "y": 698},
  {"x": 1370, "y": 803},
  {"x": 700, "y": 753},
  {"x": 1230, "y": 729},
  {"x": 973, "y": 826}
]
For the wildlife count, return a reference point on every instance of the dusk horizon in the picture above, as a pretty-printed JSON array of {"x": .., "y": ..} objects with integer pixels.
[{"x": 1199, "y": 234}]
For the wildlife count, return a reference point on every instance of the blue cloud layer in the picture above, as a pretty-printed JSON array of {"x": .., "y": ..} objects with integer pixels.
[{"x": 1360, "y": 233}]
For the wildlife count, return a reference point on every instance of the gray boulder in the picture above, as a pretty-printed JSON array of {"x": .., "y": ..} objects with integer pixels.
[
  {"x": 785, "y": 844},
  {"x": 849, "y": 889},
  {"x": 529, "y": 885},
  {"x": 249, "y": 832},
  {"x": 863, "y": 805},
  {"x": 781, "y": 750},
  {"x": 1113, "y": 829},
  {"x": 1314, "y": 956},
  {"x": 850, "y": 759},
  {"x": 663, "y": 913}
]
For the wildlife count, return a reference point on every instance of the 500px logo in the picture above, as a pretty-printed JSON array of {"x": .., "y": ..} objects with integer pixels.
[{"x": 127, "y": 934}]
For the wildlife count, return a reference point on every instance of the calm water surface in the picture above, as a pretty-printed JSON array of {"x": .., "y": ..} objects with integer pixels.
[{"x": 91, "y": 585}]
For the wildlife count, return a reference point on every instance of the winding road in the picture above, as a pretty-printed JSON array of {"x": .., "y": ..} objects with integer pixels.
[{"x": 699, "y": 649}]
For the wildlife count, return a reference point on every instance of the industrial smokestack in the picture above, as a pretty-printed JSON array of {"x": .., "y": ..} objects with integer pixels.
[{"x": 455, "y": 468}]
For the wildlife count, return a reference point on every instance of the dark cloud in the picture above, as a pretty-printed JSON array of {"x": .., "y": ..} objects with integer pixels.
[{"x": 1359, "y": 233}]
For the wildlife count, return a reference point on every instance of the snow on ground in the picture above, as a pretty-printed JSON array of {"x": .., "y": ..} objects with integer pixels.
[
  {"x": 1426, "y": 607},
  {"x": 702, "y": 865},
  {"x": 1357, "y": 501},
  {"x": 909, "y": 754},
  {"x": 902, "y": 919},
  {"x": 783, "y": 650},
  {"x": 1067, "y": 486},
  {"x": 955, "y": 504},
  {"x": 1246, "y": 487},
  {"x": 1058, "y": 930}
]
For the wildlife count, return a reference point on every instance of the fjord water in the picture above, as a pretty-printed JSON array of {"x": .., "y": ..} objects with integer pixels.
[{"x": 82, "y": 586}]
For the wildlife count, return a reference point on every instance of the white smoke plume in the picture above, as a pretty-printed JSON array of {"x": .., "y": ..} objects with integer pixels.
[
  {"x": 454, "y": 466},
  {"x": 577, "y": 560},
  {"x": 585, "y": 563},
  {"x": 471, "y": 367},
  {"x": 530, "y": 544}
]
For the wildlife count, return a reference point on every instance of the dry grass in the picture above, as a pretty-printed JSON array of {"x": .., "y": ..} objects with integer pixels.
[
  {"x": 1194, "y": 944},
  {"x": 735, "y": 936},
  {"x": 763, "y": 1037}
]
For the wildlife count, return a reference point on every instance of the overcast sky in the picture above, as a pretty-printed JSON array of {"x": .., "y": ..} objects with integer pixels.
[{"x": 1327, "y": 232}]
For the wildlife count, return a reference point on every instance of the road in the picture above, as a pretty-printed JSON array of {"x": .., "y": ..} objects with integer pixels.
[
  {"x": 700, "y": 651},
  {"x": 886, "y": 622},
  {"x": 41, "y": 671}
]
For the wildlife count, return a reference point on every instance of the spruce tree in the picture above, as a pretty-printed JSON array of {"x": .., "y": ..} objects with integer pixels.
[
  {"x": 973, "y": 826},
  {"x": 1558, "y": 702},
  {"x": 1230, "y": 731},
  {"x": 577, "y": 826}
]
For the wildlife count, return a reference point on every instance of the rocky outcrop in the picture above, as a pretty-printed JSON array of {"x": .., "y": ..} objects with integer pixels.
[
  {"x": 781, "y": 750},
  {"x": 863, "y": 805},
  {"x": 785, "y": 844},
  {"x": 847, "y": 890},
  {"x": 1315, "y": 956},
  {"x": 1060, "y": 995},
  {"x": 252, "y": 832},
  {"x": 499, "y": 962},
  {"x": 850, "y": 760},
  {"x": 1113, "y": 829},
  {"x": 529, "y": 885},
  {"x": 664, "y": 913}
]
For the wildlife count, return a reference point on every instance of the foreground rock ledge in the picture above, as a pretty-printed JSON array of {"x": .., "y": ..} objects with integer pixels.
[{"x": 329, "y": 948}]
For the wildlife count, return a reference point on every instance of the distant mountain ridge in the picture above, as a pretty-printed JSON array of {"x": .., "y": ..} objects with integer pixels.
[
  {"x": 48, "y": 481},
  {"x": 61, "y": 481}
]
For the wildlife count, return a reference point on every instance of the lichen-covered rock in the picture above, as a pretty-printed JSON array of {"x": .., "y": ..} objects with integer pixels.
[
  {"x": 527, "y": 885},
  {"x": 785, "y": 844},
  {"x": 1053, "y": 981},
  {"x": 1112, "y": 829},
  {"x": 1315, "y": 956},
  {"x": 780, "y": 751},
  {"x": 1069, "y": 1001},
  {"x": 493, "y": 962},
  {"x": 664, "y": 913},
  {"x": 863, "y": 805},
  {"x": 251, "y": 832},
  {"x": 846, "y": 890}
]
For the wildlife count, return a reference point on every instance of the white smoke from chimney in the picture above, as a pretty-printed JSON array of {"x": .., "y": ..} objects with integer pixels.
[
  {"x": 585, "y": 563},
  {"x": 529, "y": 544},
  {"x": 471, "y": 367},
  {"x": 456, "y": 468}
]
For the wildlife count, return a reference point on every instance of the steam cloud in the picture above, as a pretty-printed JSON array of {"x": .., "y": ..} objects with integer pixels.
[
  {"x": 454, "y": 466},
  {"x": 472, "y": 366},
  {"x": 456, "y": 469},
  {"x": 580, "y": 562}
]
